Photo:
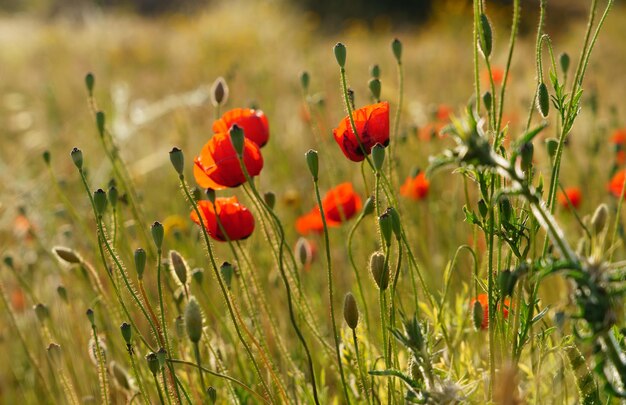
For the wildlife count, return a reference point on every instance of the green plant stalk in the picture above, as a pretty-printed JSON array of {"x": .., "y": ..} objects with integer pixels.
[
  {"x": 142, "y": 390},
  {"x": 102, "y": 374},
  {"x": 224, "y": 291},
  {"x": 281, "y": 236},
  {"x": 330, "y": 287},
  {"x": 356, "y": 271},
  {"x": 359, "y": 366},
  {"x": 538, "y": 49},
  {"x": 490, "y": 291},
  {"x": 68, "y": 389},
  {"x": 396, "y": 120},
  {"x": 158, "y": 388},
  {"x": 476, "y": 38},
  {"x": 514, "y": 30},
  {"x": 165, "y": 386}
]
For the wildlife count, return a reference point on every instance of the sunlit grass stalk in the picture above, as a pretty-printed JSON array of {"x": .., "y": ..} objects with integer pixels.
[
  {"x": 166, "y": 389},
  {"x": 359, "y": 365},
  {"x": 102, "y": 372},
  {"x": 396, "y": 120},
  {"x": 142, "y": 390},
  {"x": 158, "y": 388},
  {"x": 330, "y": 289},
  {"x": 356, "y": 270},
  {"x": 224, "y": 291}
]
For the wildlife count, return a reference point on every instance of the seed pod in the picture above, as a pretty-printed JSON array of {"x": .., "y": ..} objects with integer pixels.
[
  {"x": 599, "y": 219},
  {"x": 543, "y": 100},
  {"x": 527, "y": 152},
  {"x": 157, "y": 234},
  {"x": 161, "y": 356},
  {"x": 564, "y": 62},
  {"x": 227, "y": 270},
  {"x": 396, "y": 226},
  {"x": 385, "y": 222},
  {"x": 180, "y": 267},
  {"x": 100, "y": 201},
  {"x": 66, "y": 255},
  {"x": 237, "y": 138},
  {"x": 486, "y": 36},
  {"x": 212, "y": 394},
  {"x": 270, "y": 199},
  {"x": 62, "y": 292},
  {"x": 378, "y": 156},
  {"x": 340, "y": 54},
  {"x": 90, "y": 316},
  {"x": 487, "y": 100},
  {"x": 396, "y": 47},
  {"x": 127, "y": 332},
  {"x": 100, "y": 121},
  {"x": 482, "y": 208},
  {"x": 46, "y": 157},
  {"x": 193, "y": 320},
  {"x": 375, "y": 71},
  {"x": 552, "y": 144},
  {"x": 197, "y": 275},
  {"x": 42, "y": 312},
  {"x": 219, "y": 92},
  {"x": 140, "y": 262},
  {"x": 89, "y": 82},
  {"x": 350, "y": 311},
  {"x": 77, "y": 157},
  {"x": 54, "y": 351},
  {"x": 477, "y": 315},
  {"x": 379, "y": 270},
  {"x": 375, "y": 87},
  {"x": 120, "y": 376},
  {"x": 210, "y": 194},
  {"x": 178, "y": 160},
  {"x": 304, "y": 80},
  {"x": 153, "y": 363},
  {"x": 113, "y": 196},
  {"x": 313, "y": 163}
]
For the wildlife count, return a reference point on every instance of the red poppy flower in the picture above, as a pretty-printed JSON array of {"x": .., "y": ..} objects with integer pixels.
[
  {"x": 253, "y": 122},
  {"x": 372, "y": 125},
  {"x": 619, "y": 137},
  {"x": 415, "y": 187},
  {"x": 217, "y": 167},
  {"x": 236, "y": 219},
  {"x": 483, "y": 299},
  {"x": 616, "y": 183},
  {"x": 573, "y": 194},
  {"x": 311, "y": 222},
  {"x": 497, "y": 73},
  {"x": 443, "y": 113},
  {"x": 341, "y": 203}
]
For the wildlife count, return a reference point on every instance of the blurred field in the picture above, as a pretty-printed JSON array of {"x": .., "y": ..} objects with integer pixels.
[{"x": 152, "y": 80}]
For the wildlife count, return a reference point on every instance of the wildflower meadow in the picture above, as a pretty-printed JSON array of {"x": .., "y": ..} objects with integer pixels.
[{"x": 247, "y": 204}]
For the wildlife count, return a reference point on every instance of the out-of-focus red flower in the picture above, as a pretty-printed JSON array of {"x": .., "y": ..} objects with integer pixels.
[
  {"x": 341, "y": 203},
  {"x": 372, "y": 125},
  {"x": 18, "y": 301},
  {"x": 443, "y": 113},
  {"x": 620, "y": 157},
  {"x": 616, "y": 183},
  {"x": 237, "y": 220},
  {"x": 497, "y": 73},
  {"x": 415, "y": 187},
  {"x": 619, "y": 137},
  {"x": 311, "y": 222},
  {"x": 217, "y": 167},
  {"x": 573, "y": 194},
  {"x": 483, "y": 299},
  {"x": 253, "y": 122}
]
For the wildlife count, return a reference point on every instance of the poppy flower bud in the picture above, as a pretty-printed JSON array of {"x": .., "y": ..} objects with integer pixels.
[
  {"x": 487, "y": 100},
  {"x": 219, "y": 92},
  {"x": 211, "y": 392},
  {"x": 386, "y": 226},
  {"x": 227, "y": 271},
  {"x": 127, "y": 332},
  {"x": 113, "y": 196},
  {"x": 304, "y": 80},
  {"x": 46, "y": 157},
  {"x": 42, "y": 312},
  {"x": 180, "y": 266},
  {"x": 90, "y": 316},
  {"x": 369, "y": 206},
  {"x": 161, "y": 356},
  {"x": 482, "y": 208},
  {"x": 375, "y": 71},
  {"x": 89, "y": 82},
  {"x": 8, "y": 260},
  {"x": 153, "y": 363},
  {"x": 100, "y": 121},
  {"x": 504, "y": 281},
  {"x": 543, "y": 100},
  {"x": 67, "y": 255},
  {"x": 486, "y": 36},
  {"x": 304, "y": 251},
  {"x": 100, "y": 201},
  {"x": 552, "y": 144},
  {"x": 378, "y": 156},
  {"x": 312, "y": 162},
  {"x": 121, "y": 377},
  {"x": 477, "y": 315},
  {"x": 140, "y": 262},
  {"x": 350, "y": 311},
  {"x": 379, "y": 270},
  {"x": 198, "y": 275},
  {"x": 599, "y": 218},
  {"x": 210, "y": 193},
  {"x": 396, "y": 47},
  {"x": 77, "y": 157},
  {"x": 340, "y": 54},
  {"x": 564, "y": 62},
  {"x": 193, "y": 320},
  {"x": 270, "y": 199},
  {"x": 157, "y": 234},
  {"x": 527, "y": 152},
  {"x": 62, "y": 292},
  {"x": 178, "y": 160},
  {"x": 396, "y": 226},
  {"x": 374, "y": 85},
  {"x": 237, "y": 139}
]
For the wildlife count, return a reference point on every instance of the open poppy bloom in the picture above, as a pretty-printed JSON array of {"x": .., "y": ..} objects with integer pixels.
[
  {"x": 483, "y": 299},
  {"x": 372, "y": 125},
  {"x": 573, "y": 194},
  {"x": 253, "y": 122},
  {"x": 311, "y": 222},
  {"x": 616, "y": 183},
  {"x": 416, "y": 187},
  {"x": 341, "y": 203},
  {"x": 236, "y": 219},
  {"x": 217, "y": 167}
]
